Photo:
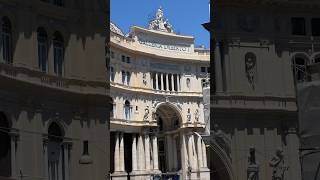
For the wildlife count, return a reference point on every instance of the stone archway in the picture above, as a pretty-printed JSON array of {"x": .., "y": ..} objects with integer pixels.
[
  {"x": 169, "y": 146},
  {"x": 219, "y": 163}
]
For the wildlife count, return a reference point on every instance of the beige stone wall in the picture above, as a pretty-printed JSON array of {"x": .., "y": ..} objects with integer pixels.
[
  {"x": 78, "y": 100},
  {"x": 265, "y": 116}
]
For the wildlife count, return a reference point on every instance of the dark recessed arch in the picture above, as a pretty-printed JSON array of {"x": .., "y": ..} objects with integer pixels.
[{"x": 5, "y": 146}]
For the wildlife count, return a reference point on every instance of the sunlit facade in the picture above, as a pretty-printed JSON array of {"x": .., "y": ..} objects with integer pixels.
[{"x": 156, "y": 79}]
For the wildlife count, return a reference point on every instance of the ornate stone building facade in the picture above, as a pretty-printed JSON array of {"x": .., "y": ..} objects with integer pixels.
[
  {"x": 156, "y": 81},
  {"x": 262, "y": 50},
  {"x": 53, "y": 93}
]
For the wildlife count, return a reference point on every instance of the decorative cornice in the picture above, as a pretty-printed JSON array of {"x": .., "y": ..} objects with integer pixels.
[{"x": 40, "y": 79}]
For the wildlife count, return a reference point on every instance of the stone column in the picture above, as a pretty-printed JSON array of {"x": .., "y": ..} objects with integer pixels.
[
  {"x": 190, "y": 152},
  {"x": 66, "y": 146},
  {"x": 140, "y": 153},
  {"x": 178, "y": 82},
  {"x": 218, "y": 70},
  {"x": 169, "y": 155},
  {"x": 167, "y": 83},
  {"x": 172, "y": 82},
  {"x": 204, "y": 155},
  {"x": 147, "y": 151},
  {"x": 162, "y": 82},
  {"x": 14, "y": 138},
  {"x": 155, "y": 153},
  {"x": 121, "y": 153},
  {"x": 143, "y": 153},
  {"x": 199, "y": 150},
  {"x": 195, "y": 159},
  {"x": 134, "y": 153},
  {"x": 157, "y": 88},
  {"x": 174, "y": 153},
  {"x": 184, "y": 154},
  {"x": 45, "y": 155},
  {"x": 59, "y": 165},
  {"x": 116, "y": 154}
]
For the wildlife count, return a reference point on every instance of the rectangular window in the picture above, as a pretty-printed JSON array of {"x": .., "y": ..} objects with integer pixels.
[
  {"x": 114, "y": 110},
  {"x": 298, "y": 26},
  {"x": 6, "y": 47},
  {"x": 128, "y": 60},
  {"x": 208, "y": 69},
  {"x": 111, "y": 74},
  {"x": 127, "y": 112},
  {"x": 112, "y": 54},
  {"x": 42, "y": 55},
  {"x": 123, "y": 58},
  {"x": 58, "y": 60},
  {"x": 203, "y": 69},
  {"x": 123, "y": 77},
  {"x": 315, "y": 25},
  {"x": 128, "y": 78}
]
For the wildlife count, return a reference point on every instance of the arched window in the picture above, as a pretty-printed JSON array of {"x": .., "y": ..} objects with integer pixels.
[
  {"x": 123, "y": 73},
  {"x": 5, "y": 150},
  {"x": 6, "y": 40},
  {"x": 160, "y": 124},
  {"x": 58, "y": 53},
  {"x": 127, "y": 110},
  {"x": 299, "y": 68},
  {"x": 42, "y": 49},
  {"x": 128, "y": 78},
  {"x": 57, "y": 153},
  {"x": 111, "y": 73}
]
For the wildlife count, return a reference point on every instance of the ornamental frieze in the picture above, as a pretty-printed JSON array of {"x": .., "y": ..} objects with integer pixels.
[{"x": 164, "y": 46}]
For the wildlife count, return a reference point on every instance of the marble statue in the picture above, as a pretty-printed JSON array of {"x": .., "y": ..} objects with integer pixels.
[
  {"x": 159, "y": 23},
  {"x": 253, "y": 168},
  {"x": 278, "y": 165},
  {"x": 197, "y": 115},
  {"x": 251, "y": 68},
  {"x": 189, "y": 115},
  {"x": 146, "y": 114}
]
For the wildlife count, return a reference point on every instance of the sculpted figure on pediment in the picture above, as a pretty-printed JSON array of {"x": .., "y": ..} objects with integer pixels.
[{"x": 159, "y": 23}]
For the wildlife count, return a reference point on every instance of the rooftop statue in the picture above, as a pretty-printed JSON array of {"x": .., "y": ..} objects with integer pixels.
[{"x": 159, "y": 23}]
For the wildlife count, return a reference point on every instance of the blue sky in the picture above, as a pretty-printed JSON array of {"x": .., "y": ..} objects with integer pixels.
[{"x": 185, "y": 16}]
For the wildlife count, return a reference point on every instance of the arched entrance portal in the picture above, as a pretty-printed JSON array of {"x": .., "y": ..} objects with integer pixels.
[
  {"x": 219, "y": 163},
  {"x": 169, "y": 146}
]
